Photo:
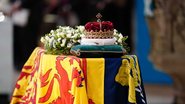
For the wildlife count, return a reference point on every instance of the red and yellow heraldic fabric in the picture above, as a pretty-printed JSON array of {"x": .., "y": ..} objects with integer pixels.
[{"x": 59, "y": 79}]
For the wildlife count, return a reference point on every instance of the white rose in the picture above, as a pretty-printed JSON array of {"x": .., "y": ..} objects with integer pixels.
[
  {"x": 115, "y": 31},
  {"x": 47, "y": 38},
  {"x": 60, "y": 27},
  {"x": 52, "y": 31},
  {"x": 68, "y": 35},
  {"x": 120, "y": 35},
  {"x": 58, "y": 30},
  {"x": 62, "y": 35},
  {"x": 67, "y": 28},
  {"x": 69, "y": 45},
  {"x": 58, "y": 39},
  {"x": 52, "y": 34},
  {"x": 120, "y": 39},
  {"x": 51, "y": 42},
  {"x": 58, "y": 34},
  {"x": 81, "y": 28},
  {"x": 54, "y": 43},
  {"x": 63, "y": 42},
  {"x": 42, "y": 40},
  {"x": 79, "y": 40}
]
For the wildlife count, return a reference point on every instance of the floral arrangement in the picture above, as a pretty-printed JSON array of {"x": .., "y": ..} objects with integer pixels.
[{"x": 60, "y": 40}]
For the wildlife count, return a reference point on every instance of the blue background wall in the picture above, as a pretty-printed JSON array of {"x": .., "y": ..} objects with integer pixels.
[{"x": 149, "y": 73}]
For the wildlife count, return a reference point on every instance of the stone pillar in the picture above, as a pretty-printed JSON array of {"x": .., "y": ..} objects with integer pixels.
[{"x": 167, "y": 31}]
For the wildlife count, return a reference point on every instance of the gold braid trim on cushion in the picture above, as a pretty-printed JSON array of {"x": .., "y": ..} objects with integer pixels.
[{"x": 99, "y": 34}]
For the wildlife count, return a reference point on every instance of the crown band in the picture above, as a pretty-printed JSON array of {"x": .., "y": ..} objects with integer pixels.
[{"x": 99, "y": 35}]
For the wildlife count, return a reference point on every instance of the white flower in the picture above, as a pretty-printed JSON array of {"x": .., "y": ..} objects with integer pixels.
[
  {"x": 42, "y": 40},
  {"x": 67, "y": 28},
  {"x": 52, "y": 31},
  {"x": 51, "y": 39},
  {"x": 51, "y": 42},
  {"x": 75, "y": 35},
  {"x": 120, "y": 35},
  {"x": 58, "y": 30},
  {"x": 81, "y": 28},
  {"x": 68, "y": 35},
  {"x": 58, "y": 34},
  {"x": 79, "y": 40},
  {"x": 115, "y": 31},
  {"x": 69, "y": 45},
  {"x": 58, "y": 39},
  {"x": 63, "y": 42},
  {"x": 69, "y": 31},
  {"x": 120, "y": 39},
  {"x": 47, "y": 38},
  {"x": 62, "y": 35},
  {"x": 54, "y": 43}
]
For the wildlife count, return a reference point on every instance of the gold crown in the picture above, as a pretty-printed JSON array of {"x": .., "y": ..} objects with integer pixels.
[{"x": 99, "y": 30}]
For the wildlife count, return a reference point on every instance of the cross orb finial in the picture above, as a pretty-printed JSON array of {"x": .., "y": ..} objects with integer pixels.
[{"x": 99, "y": 16}]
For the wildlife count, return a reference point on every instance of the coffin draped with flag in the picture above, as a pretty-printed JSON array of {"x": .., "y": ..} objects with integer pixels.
[{"x": 59, "y": 79}]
